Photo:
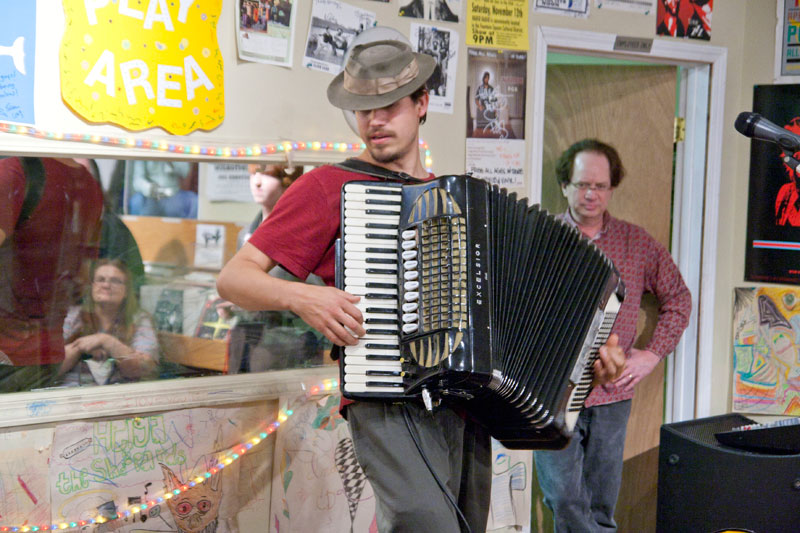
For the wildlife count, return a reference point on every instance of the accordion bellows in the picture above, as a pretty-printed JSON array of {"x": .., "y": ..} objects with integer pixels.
[{"x": 472, "y": 296}]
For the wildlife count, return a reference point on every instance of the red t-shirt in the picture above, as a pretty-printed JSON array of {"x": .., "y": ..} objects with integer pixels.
[
  {"x": 42, "y": 258},
  {"x": 301, "y": 232}
]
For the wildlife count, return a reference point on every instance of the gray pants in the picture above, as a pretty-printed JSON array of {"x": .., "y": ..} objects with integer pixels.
[
  {"x": 581, "y": 482},
  {"x": 408, "y": 497}
]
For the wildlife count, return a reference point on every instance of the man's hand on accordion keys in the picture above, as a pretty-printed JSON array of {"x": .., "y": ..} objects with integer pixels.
[
  {"x": 611, "y": 362},
  {"x": 331, "y": 311}
]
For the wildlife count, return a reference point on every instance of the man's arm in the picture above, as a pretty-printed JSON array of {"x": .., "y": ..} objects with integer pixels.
[
  {"x": 2, "y": 236},
  {"x": 664, "y": 280},
  {"x": 245, "y": 281}
]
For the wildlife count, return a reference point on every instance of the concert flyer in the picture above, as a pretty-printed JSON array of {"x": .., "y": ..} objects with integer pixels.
[
  {"x": 498, "y": 24},
  {"x": 773, "y": 211},
  {"x": 495, "y": 148}
]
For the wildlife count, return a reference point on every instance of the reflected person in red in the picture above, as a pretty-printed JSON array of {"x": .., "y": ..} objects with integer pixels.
[{"x": 787, "y": 202}]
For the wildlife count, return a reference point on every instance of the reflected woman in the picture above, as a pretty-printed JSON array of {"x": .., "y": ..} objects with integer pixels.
[{"x": 108, "y": 338}]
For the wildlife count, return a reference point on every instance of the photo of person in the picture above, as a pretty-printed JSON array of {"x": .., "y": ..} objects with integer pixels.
[
  {"x": 443, "y": 10},
  {"x": 333, "y": 27},
  {"x": 442, "y": 45},
  {"x": 496, "y": 103},
  {"x": 264, "y": 31}
]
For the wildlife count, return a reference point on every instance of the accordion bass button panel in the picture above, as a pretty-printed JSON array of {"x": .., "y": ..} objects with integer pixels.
[{"x": 370, "y": 248}]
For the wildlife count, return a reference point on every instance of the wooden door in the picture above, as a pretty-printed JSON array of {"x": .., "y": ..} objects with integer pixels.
[{"x": 632, "y": 108}]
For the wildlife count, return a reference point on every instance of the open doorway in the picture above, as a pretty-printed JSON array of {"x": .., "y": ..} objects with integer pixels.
[{"x": 632, "y": 108}]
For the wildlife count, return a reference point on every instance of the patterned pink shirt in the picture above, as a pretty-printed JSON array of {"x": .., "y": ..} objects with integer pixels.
[{"x": 646, "y": 266}]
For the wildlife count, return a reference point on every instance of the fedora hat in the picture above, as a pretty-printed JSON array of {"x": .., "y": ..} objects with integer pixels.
[{"x": 378, "y": 74}]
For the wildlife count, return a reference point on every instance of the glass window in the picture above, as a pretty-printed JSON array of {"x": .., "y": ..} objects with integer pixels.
[{"x": 109, "y": 271}]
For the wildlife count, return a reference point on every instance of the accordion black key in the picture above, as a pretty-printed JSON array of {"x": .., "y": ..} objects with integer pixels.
[{"x": 472, "y": 296}]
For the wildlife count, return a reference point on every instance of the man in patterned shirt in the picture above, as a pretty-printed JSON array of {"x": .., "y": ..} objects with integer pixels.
[{"x": 581, "y": 482}]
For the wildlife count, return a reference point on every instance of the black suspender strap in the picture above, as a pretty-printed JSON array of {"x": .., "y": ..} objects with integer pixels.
[
  {"x": 33, "y": 169},
  {"x": 362, "y": 167}
]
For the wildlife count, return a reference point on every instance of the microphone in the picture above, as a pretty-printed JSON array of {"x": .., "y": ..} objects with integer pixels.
[{"x": 757, "y": 127}]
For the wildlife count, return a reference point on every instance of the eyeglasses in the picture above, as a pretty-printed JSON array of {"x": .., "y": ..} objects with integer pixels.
[
  {"x": 113, "y": 281},
  {"x": 594, "y": 187}
]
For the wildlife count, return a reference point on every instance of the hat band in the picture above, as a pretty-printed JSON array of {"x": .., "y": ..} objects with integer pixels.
[{"x": 372, "y": 87}]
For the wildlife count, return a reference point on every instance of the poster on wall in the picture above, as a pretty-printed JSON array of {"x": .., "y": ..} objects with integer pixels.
[
  {"x": 498, "y": 23},
  {"x": 442, "y": 45},
  {"x": 106, "y": 467},
  {"x": 227, "y": 182},
  {"x": 573, "y": 8},
  {"x": 17, "y": 55},
  {"x": 772, "y": 252},
  {"x": 495, "y": 129},
  {"x": 684, "y": 18},
  {"x": 317, "y": 484},
  {"x": 161, "y": 66},
  {"x": 333, "y": 26},
  {"x": 24, "y": 482},
  {"x": 766, "y": 367},
  {"x": 645, "y": 7},
  {"x": 265, "y": 31},
  {"x": 439, "y": 10},
  {"x": 789, "y": 37}
]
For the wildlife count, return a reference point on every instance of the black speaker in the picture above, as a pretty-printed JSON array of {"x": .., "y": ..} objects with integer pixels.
[{"x": 706, "y": 487}]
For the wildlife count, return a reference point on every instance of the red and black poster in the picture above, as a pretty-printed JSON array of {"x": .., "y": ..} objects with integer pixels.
[
  {"x": 684, "y": 18},
  {"x": 773, "y": 211}
]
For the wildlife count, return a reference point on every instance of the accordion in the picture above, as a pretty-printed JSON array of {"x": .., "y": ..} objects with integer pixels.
[{"x": 472, "y": 296}]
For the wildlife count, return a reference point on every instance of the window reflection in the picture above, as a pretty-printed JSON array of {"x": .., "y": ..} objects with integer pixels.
[{"x": 114, "y": 297}]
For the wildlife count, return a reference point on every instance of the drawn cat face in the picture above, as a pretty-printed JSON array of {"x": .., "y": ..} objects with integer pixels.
[{"x": 196, "y": 510}]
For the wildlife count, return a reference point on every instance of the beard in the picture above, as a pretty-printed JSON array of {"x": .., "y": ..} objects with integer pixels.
[{"x": 384, "y": 157}]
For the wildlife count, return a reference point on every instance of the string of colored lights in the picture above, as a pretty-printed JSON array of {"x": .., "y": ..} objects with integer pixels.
[
  {"x": 254, "y": 150},
  {"x": 231, "y": 455}
]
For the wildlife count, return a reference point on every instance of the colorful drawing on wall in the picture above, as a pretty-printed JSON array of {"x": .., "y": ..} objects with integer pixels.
[
  {"x": 773, "y": 206},
  {"x": 24, "y": 485},
  {"x": 108, "y": 466},
  {"x": 766, "y": 350},
  {"x": 317, "y": 483},
  {"x": 684, "y": 18},
  {"x": 152, "y": 64},
  {"x": 17, "y": 60}
]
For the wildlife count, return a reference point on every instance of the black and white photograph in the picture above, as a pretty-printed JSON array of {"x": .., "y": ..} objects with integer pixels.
[
  {"x": 333, "y": 27},
  {"x": 441, "y": 10},
  {"x": 442, "y": 45}
]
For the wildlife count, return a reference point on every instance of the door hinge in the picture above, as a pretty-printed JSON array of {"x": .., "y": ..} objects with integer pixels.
[{"x": 679, "y": 134}]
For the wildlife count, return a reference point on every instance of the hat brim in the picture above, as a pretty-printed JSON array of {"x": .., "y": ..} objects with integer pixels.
[{"x": 344, "y": 99}]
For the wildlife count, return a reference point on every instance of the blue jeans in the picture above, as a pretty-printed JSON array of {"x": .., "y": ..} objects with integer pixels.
[{"x": 581, "y": 482}]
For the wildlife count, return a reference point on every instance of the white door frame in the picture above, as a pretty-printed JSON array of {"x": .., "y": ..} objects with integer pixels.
[{"x": 697, "y": 195}]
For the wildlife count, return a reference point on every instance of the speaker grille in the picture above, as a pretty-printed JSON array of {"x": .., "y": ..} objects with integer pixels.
[{"x": 703, "y": 430}]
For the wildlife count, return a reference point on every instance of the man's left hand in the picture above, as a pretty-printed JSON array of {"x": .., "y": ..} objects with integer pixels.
[
  {"x": 640, "y": 363},
  {"x": 610, "y": 362}
]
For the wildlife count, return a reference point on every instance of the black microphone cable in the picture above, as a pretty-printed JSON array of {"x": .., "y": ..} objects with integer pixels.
[{"x": 418, "y": 444}]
